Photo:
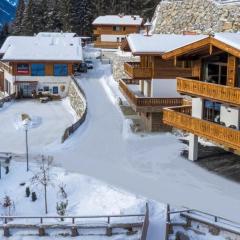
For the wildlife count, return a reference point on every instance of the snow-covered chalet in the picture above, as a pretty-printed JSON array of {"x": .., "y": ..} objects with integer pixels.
[
  {"x": 151, "y": 82},
  {"x": 42, "y": 63},
  {"x": 111, "y": 30},
  {"x": 214, "y": 88}
]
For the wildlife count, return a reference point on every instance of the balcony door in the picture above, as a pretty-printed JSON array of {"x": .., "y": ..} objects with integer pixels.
[
  {"x": 216, "y": 73},
  {"x": 211, "y": 111}
]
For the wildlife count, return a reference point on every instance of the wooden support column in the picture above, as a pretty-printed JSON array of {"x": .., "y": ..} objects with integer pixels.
[{"x": 231, "y": 70}]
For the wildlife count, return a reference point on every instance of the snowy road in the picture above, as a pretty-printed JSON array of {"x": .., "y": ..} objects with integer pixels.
[{"x": 149, "y": 165}]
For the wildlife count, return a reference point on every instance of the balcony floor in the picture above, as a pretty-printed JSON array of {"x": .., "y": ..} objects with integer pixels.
[{"x": 135, "y": 89}]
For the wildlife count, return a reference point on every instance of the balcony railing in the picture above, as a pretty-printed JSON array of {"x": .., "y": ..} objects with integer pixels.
[
  {"x": 5, "y": 67},
  {"x": 148, "y": 104},
  {"x": 134, "y": 70},
  {"x": 111, "y": 32},
  {"x": 180, "y": 118},
  {"x": 99, "y": 44},
  {"x": 212, "y": 91}
]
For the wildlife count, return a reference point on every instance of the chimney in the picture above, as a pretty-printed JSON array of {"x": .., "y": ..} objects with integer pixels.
[{"x": 148, "y": 26}]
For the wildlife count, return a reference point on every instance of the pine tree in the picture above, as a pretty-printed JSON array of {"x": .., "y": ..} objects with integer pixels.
[
  {"x": 19, "y": 17},
  {"x": 27, "y": 25}
]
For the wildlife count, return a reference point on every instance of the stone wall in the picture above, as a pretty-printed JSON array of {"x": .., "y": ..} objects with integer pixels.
[
  {"x": 117, "y": 59},
  {"x": 201, "y": 16},
  {"x": 77, "y": 99}
]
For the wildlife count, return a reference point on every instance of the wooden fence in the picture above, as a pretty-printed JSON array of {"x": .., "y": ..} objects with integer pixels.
[
  {"x": 76, "y": 223},
  {"x": 71, "y": 129}
]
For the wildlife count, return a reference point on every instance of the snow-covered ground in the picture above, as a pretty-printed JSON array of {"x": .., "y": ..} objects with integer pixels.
[
  {"x": 147, "y": 164},
  {"x": 50, "y": 120},
  {"x": 85, "y": 195}
]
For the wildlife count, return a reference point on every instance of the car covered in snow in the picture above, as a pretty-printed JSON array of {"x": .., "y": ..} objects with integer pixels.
[{"x": 89, "y": 64}]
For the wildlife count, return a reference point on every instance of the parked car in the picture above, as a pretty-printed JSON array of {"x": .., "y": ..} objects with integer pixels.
[
  {"x": 89, "y": 64},
  {"x": 83, "y": 67}
]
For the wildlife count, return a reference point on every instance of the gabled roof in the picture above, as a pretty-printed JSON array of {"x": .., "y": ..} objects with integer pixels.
[
  {"x": 56, "y": 34},
  {"x": 125, "y": 20},
  {"x": 42, "y": 48},
  {"x": 228, "y": 42},
  {"x": 158, "y": 44}
]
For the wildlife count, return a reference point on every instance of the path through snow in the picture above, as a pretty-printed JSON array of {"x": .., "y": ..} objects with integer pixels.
[{"x": 149, "y": 165}]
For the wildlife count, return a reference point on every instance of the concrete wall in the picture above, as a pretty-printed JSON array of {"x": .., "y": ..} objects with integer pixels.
[
  {"x": 197, "y": 107},
  {"x": 202, "y": 16},
  {"x": 164, "y": 88},
  {"x": 230, "y": 116}
]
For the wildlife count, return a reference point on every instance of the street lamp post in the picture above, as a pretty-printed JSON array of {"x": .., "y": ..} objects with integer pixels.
[{"x": 26, "y": 140}]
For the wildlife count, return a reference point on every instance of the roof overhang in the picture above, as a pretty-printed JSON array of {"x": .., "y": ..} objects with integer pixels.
[{"x": 194, "y": 47}]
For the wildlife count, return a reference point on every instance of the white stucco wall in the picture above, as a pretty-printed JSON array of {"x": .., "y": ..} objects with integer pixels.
[
  {"x": 230, "y": 116},
  {"x": 111, "y": 38},
  {"x": 197, "y": 107},
  {"x": 164, "y": 88}
]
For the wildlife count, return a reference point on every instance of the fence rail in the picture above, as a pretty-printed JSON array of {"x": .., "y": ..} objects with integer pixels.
[{"x": 140, "y": 221}]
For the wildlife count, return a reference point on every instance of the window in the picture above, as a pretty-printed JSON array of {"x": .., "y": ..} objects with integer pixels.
[
  {"x": 122, "y": 39},
  {"x": 60, "y": 70},
  {"x": 116, "y": 28},
  {"x": 46, "y": 88},
  {"x": 55, "y": 90},
  {"x": 118, "y": 39},
  {"x": 38, "y": 69},
  {"x": 211, "y": 111},
  {"x": 23, "y": 68},
  {"x": 124, "y": 28}
]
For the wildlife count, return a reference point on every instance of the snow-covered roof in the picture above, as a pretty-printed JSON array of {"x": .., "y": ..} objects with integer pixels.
[
  {"x": 159, "y": 43},
  {"x": 231, "y": 39},
  {"x": 118, "y": 20},
  {"x": 56, "y": 34},
  {"x": 38, "y": 48}
]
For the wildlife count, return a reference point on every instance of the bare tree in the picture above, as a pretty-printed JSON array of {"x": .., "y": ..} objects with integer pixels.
[{"x": 44, "y": 177}]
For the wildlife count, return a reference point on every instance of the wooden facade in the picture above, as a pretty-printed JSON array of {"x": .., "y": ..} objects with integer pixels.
[
  {"x": 120, "y": 31},
  {"x": 1, "y": 80},
  {"x": 155, "y": 67},
  {"x": 49, "y": 66},
  {"x": 215, "y": 80},
  {"x": 109, "y": 30}
]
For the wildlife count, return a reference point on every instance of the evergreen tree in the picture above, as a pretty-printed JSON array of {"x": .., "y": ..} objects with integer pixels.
[
  {"x": 27, "y": 25},
  {"x": 19, "y": 17}
]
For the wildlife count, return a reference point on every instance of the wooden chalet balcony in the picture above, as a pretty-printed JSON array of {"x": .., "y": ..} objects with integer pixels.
[
  {"x": 111, "y": 32},
  {"x": 135, "y": 71},
  {"x": 216, "y": 92},
  {"x": 5, "y": 67},
  {"x": 99, "y": 44},
  {"x": 146, "y": 104},
  {"x": 180, "y": 117}
]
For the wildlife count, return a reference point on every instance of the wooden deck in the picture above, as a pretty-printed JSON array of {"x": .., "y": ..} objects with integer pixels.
[
  {"x": 180, "y": 118},
  {"x": 216, "y": 92},
  {"x": 146, "y": 104},
  {"x": 135, "y": 71}
]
